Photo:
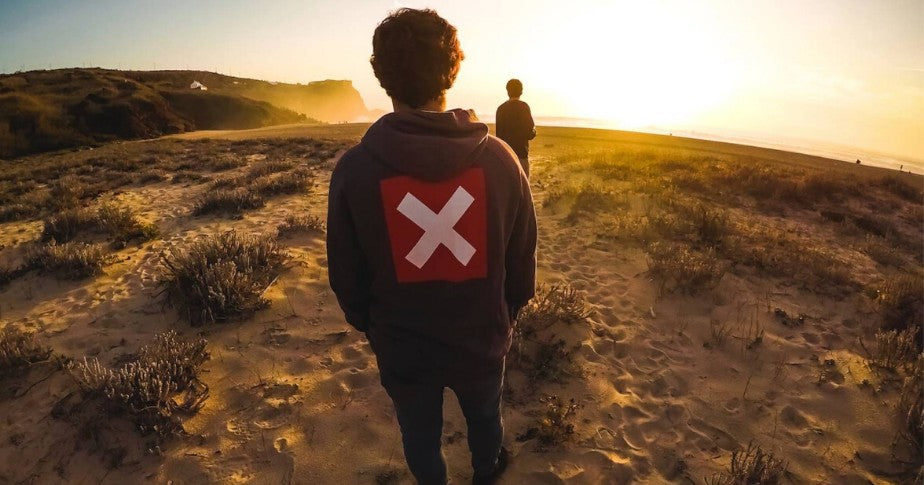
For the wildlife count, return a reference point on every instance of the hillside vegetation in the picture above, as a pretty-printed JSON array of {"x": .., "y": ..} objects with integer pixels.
[{"x": 49, "y": 110}]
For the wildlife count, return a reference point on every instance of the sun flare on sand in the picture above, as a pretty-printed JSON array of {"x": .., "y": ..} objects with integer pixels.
[{"x": 635, "y": 66}]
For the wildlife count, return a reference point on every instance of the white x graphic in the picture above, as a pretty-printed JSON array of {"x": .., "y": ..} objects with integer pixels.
[{"x": 438, "y": 228}]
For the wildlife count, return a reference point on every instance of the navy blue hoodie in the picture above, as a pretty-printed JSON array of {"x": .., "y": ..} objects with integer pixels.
[{"x": 431, "y": 243}]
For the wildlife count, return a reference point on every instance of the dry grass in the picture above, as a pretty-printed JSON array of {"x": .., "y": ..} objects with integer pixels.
[
  {"x": 43, "y": 185},
  {"x": 587, "y": 198},
  {"x": 281, "y": 184},
  {"x": 752, "y": 466},
  {"x": 911, "y": 409},
  {"x": 555, "y": 425},
  {"x": 260, "y": 169},
  {"x": 19, "y": 350},
  {"x": 232, "y": 201},
  {"x": 306, "y": 224},
  {"x": 550, "y": 361},
  {"x": 66, "y": 225},
  {"x": 901, "y": 302},
  {"x": 545, "y": 357},
  {"x": 221, "y": 277},
  {"x": 151, "y": 176},
  {"x": 152, "y": 389},
  {"x": 680, "y": 267},
  {"x": 73, "y": 260},
  {"x": 123, "y": 225},
  {"x": 552, "y": 304},
  {"x": 896, "y": 348},
  {"x": 742, "y": 209}
]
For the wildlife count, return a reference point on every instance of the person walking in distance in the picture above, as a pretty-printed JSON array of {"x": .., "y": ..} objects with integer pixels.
[
  {"x": 431, "y": 246},
  {"x": 515, "y": 123}
]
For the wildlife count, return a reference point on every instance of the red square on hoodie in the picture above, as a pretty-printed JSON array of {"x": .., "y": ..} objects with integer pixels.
[{"x": 438, "y": 230}]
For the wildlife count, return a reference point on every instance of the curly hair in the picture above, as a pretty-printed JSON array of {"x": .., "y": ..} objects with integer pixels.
[{"x": 415, "y": 56}]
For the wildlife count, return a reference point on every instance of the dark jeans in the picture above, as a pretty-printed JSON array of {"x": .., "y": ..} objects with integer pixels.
[{"x": 419, "y": 408}]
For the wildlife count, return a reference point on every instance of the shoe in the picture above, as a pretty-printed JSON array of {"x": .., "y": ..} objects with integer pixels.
[{"x": 499, "y": 468}]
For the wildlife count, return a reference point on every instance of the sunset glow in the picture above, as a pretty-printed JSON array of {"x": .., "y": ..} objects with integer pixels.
[{"x": 845, "y": 73}]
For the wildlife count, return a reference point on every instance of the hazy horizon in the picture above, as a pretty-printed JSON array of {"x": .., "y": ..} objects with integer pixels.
[{"x": 845, "y": 73}]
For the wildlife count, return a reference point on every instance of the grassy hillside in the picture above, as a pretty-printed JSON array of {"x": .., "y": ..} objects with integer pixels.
[
  {"x": 329, "y": 100},
  {"x": 50, "y": 110}
]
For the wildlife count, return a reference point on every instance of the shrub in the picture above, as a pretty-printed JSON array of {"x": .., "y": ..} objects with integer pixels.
[
  {"x": 678, "y": 266},
  {"x": 710, "y": 227},
  {"x": 901, "y": 188},
  {"x": 150, "y": 176},
  {"x": 228, "y": 182},
  {"x": 782, "y": 255},
  {"x": 66, "y": 192},
  {"x": 901, "y": 302},
  {"x": 151, "y": 389},
  {"x": 70, "y": 260},
  {"x": 551, "y": 305},
  {"x": 67, "y": 224},
  {"x": 265, "y": 168},
  {"x": 184, "y": 176},
  {"x": 551, "y": 361},
  {"x": 123, "y": 225},
  {"x": 896, "y": 348},
  {"x": 7, "y": 275},
  {"x": 304, "y": 224},
  {"x": 880, "y": 251},
  {"x": 289, "y": 183},
  {"x": 555, "y": 425},
  {"x": 19, "y": 350},
  {"x": 227, "y": 201},
  {"x": 223, "y": 164},
  {"x": 753, "y": 466},
  {"x": 16, "y": 211},
  {"x": 911, "y": 408},
  {"x": 592, "y": 198},
  {"x": 220, "y": 277}
]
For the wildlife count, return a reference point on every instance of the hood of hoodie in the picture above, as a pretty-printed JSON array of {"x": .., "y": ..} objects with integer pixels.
[{"x": 427, "y": 145}]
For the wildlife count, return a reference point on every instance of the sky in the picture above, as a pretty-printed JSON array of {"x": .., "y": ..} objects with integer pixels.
[{"x": 840, "y": 73}]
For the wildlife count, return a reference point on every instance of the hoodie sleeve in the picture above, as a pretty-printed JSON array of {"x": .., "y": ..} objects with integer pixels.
[
  {"x": 521, "y": 251},
  {"x": 348, "y": 270}
]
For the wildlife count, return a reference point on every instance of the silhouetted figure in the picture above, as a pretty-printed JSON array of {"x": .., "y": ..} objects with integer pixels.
[
  {"x": 858, "y": 161},
  {"x": 515, "y": 123},
  {"x": 431, "y": 246}
]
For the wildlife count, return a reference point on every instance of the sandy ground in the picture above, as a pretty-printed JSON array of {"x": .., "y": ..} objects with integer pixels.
[{"x": 294, "y": 392}]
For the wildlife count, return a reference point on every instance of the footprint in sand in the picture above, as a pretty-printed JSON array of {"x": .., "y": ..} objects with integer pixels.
[
  {"x": 792, "y": 418},
  {"x": 716, "y": 437}
]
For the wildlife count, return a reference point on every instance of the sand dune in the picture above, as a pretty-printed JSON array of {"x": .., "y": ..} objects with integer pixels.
[{"x": 294, "y": 392}]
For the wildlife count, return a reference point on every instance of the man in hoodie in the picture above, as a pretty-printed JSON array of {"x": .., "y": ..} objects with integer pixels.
[
  {"x": 515, "y": 123},
  {"x": 431, "y": 247}
]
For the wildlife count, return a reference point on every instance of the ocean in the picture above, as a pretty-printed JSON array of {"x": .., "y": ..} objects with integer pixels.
[{"x": 827, "y": 150}]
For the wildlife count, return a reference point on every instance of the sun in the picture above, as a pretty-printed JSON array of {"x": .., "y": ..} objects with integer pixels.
[{"x": 636, "y": 66}]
